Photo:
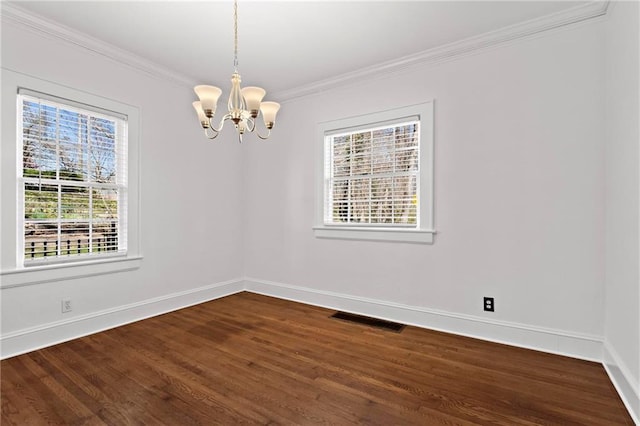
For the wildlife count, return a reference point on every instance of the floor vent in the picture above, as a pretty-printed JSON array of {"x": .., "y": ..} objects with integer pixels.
[{"x": 373, "y": 322}]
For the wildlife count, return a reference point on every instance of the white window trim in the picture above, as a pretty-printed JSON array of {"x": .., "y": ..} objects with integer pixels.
[
  {"x": 424, "y": 232},
  {"x": 12, "y": 271}
]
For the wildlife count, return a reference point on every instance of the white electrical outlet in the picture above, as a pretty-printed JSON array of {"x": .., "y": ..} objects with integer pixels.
[{"x": 66, "y": 305}]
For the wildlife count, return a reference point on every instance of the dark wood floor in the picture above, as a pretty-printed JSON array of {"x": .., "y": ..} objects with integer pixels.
[{"x": 250, "y": 359}]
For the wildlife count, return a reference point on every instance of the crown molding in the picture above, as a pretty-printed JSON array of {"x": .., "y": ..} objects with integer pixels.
[
  {"x": 593, "y": 9},
  {"x": 12, "y": 13},
  {"x": 526, "y": 29}
]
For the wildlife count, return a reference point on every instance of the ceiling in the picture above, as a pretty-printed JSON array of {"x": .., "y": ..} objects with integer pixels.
[{"x": 284, "y": 44}]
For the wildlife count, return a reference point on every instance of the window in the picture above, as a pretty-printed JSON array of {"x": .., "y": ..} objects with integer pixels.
[
  {"x": 371, "y": 176},
  {"x": 74, "y": 182},
  {"x": 376, "y": 176},
  {"x": 70, "y": 200}
]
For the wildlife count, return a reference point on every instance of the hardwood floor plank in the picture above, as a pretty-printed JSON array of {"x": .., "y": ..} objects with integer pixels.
[
  {"x": 163, "y": 369},
  {"x": 28, "y": 390},
  {"x": 592, "y": 405},
  {"x": 16, "y": 408},
  {"x": 243, "y": 363},
  {"x": 251, "y": 359},
  {"x": 96, "y": 394}
]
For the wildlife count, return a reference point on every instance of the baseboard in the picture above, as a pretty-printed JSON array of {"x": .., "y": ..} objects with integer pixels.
[
  {"x": 35, "y": 338},
  {"x": 547, "y": 340},
  {"x": 559, "y": 342},
  {"x": 628, "y": 388}
]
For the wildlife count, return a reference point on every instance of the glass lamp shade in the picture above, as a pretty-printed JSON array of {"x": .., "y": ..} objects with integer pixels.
[
  {"x": 269, "y": 111},
  {"x": 208, "y": 97},
  {"x": 252, "y": 97},
  {"x": 197, "y": 105}
]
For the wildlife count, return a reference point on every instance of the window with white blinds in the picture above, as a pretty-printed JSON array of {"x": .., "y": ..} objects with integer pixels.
[
  {"x": 73, "y": 180},
  {"x": 372, "y": 176},
  {"x": 376, "y": 177}
]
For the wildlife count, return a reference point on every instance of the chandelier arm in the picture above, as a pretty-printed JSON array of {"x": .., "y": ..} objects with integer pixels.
[
  {"x": 219, "y": 129},
  {"x": 255, "y": 130},
  {"x": 253, "y": 122},
  {"x": 264, "y": 137},
  {"x": 214, "y": 133}
]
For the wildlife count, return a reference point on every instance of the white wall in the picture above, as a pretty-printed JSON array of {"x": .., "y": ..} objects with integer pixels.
[
  {"x": 622, "y": 298},
  {"x": 521, "y": 189},
  {"x": 519, "y": 175},
  {"x": 189, "y": 200}
]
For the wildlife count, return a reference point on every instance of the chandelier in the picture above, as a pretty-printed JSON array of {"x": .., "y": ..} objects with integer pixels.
[{"x": 245, "y": 104}]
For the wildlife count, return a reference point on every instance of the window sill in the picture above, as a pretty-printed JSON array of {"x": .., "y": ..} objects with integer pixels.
[
  {"x": 63, "y": 271},
  {"x": 419, "y": 236}
]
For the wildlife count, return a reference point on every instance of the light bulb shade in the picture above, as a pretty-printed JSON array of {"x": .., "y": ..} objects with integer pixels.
[
  {"x": 208, "y": 97},
  {"x": 197, "y": 105},
  {"x": 252, "y": 98},
  {"x": 269, "y": 111}
]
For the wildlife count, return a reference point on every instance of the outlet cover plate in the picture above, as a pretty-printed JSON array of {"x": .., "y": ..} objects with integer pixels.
[{"x": 489, "y": 304}]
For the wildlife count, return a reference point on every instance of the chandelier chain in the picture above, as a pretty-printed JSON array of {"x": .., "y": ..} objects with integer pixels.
[{"x": 235, "y": 35}]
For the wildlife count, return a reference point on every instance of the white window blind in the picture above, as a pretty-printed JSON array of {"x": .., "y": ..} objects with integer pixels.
[
  {"x": 372, "y": 175},
  {"x": 73, "y": 180}
]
